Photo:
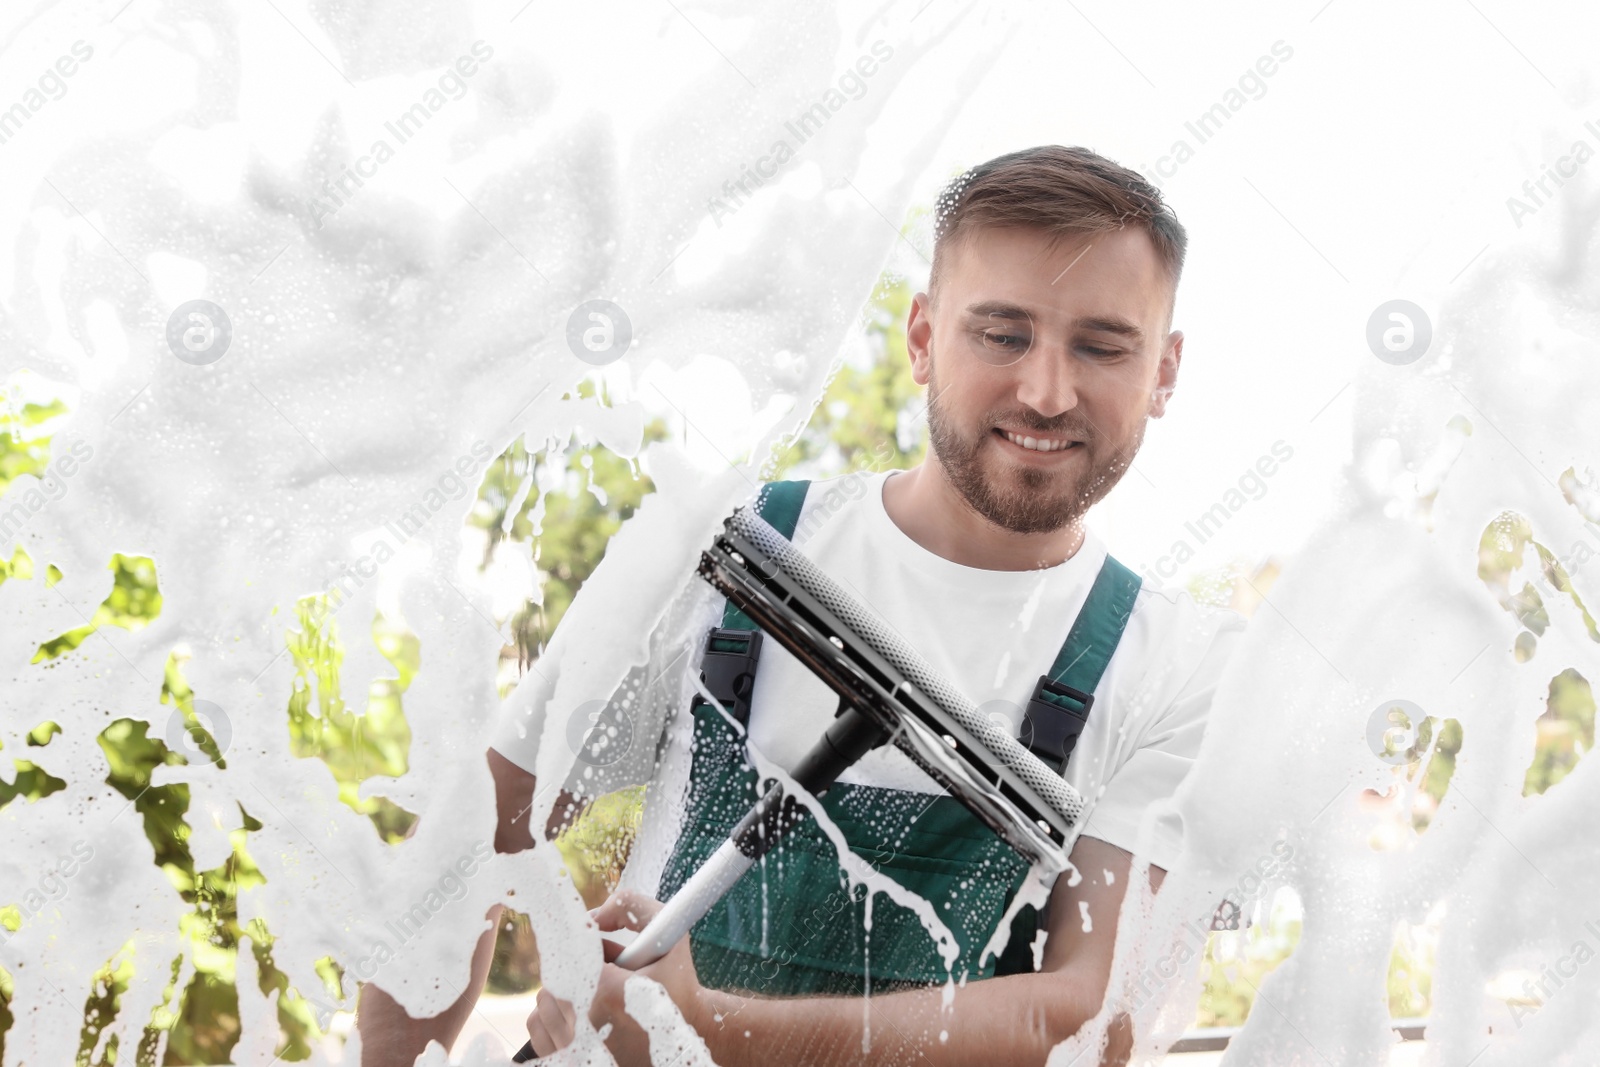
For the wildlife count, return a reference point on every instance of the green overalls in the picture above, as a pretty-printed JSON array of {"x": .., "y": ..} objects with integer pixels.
[{"x": 791, "y": 926}]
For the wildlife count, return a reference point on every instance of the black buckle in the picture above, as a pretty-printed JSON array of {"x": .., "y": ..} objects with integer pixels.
[
  {"x": 728, "y": 668},
  {"x": 1052, "y": 723}
]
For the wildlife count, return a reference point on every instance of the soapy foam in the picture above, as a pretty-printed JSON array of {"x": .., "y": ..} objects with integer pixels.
[
  {"x": 371, "y": 353},
  {"x": 371, "y": 350}
]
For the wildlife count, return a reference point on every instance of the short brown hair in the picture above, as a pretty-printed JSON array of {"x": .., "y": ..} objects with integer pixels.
[{"x": 1064, "y": 191}]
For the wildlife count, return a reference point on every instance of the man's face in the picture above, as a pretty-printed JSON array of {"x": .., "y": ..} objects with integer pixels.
[{"x": 1042, "y": 366}]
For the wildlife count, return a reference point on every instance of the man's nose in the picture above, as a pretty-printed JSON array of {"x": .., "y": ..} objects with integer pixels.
[{"x": 1047, "y": 381}]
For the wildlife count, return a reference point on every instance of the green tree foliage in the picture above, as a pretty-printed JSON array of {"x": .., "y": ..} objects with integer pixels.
[
  {"x": 1566, "y": 732},
  {"x": 354, "y": 746},
  {"x": 24, "y": 442},
  {"x": 591, "y": 492},
  {"x": 560, "y": 502},
  {"x": 871, "y": 415},
  {"x": 1235, "y": 962}
]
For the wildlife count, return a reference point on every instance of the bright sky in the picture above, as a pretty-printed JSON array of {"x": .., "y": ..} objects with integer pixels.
[{"x": 1373, "y": 163}]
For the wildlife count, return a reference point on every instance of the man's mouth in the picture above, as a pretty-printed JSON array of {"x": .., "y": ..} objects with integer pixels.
[{"x": 1037, "y": 442}]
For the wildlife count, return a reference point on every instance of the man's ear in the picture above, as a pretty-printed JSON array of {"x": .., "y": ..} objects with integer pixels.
[
  {"x": 919, "y": 337},
  {"x": 1166, "y": 373}
]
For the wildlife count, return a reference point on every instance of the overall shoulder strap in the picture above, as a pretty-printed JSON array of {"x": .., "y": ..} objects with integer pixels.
[
  {"x": 728, "y": 667},
  {"x": 1060, "y": 707},
  {"x": 1061, "y": 701},
  {"x": 779, "y": 503}
]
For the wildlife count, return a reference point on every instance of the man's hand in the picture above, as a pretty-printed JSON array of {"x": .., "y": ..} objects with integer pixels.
[
  {"x": 551, "y": 1025},
  {"x": 1016, "y": 1019},
  {"x": 389, "y": 1035}
]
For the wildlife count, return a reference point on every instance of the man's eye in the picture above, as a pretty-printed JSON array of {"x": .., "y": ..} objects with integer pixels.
[
  {"x": 1004, "y": 340},
  {"x": 1093, "y": 351}
]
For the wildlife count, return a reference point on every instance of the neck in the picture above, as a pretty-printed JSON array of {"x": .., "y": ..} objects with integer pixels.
[{"x": 932, "y": 512}]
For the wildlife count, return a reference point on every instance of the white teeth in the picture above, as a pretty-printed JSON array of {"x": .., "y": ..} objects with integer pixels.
[{"x": 1034, "y": 443}]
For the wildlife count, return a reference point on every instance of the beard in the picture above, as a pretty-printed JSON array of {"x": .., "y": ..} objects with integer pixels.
[{"x": 1023, "y": 499}]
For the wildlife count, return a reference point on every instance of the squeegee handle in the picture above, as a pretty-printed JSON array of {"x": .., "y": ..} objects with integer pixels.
[
  {"x": 851, "y": 736},
  {"x": 747, "y": 843}
]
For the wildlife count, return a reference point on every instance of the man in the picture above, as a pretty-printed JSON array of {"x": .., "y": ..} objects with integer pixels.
[{"x": 1045, "y": 344}]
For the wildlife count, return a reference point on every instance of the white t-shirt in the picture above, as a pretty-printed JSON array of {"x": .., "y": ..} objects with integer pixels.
[{"x": 991, "y": 633}]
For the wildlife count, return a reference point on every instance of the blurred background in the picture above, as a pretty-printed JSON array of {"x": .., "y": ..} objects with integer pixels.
[
  {"x": 1390, "y": 154},
  {"x": 566, "y": 503}
]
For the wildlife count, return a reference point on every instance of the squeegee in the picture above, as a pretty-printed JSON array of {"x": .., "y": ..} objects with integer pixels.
[{"x": 888, "y": 694}]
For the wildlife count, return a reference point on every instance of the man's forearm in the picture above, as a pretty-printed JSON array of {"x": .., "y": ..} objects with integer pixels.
[
  {"x": 390, "y": 1036},
  {"x": 1016, "y": 1019}
]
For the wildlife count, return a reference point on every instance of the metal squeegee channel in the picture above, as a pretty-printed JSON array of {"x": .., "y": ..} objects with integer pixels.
[
  {"x": 1053, "y": 791},
  {"x": 866, "y": 681}
]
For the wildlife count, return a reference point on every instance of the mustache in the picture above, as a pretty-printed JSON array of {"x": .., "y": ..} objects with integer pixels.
[{"x": 1031, "y": 420}]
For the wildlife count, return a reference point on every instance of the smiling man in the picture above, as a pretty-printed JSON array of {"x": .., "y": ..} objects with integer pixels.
[
  {"x": 1021, "y": 448},
  {"x": 1045, "y": 344}
]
